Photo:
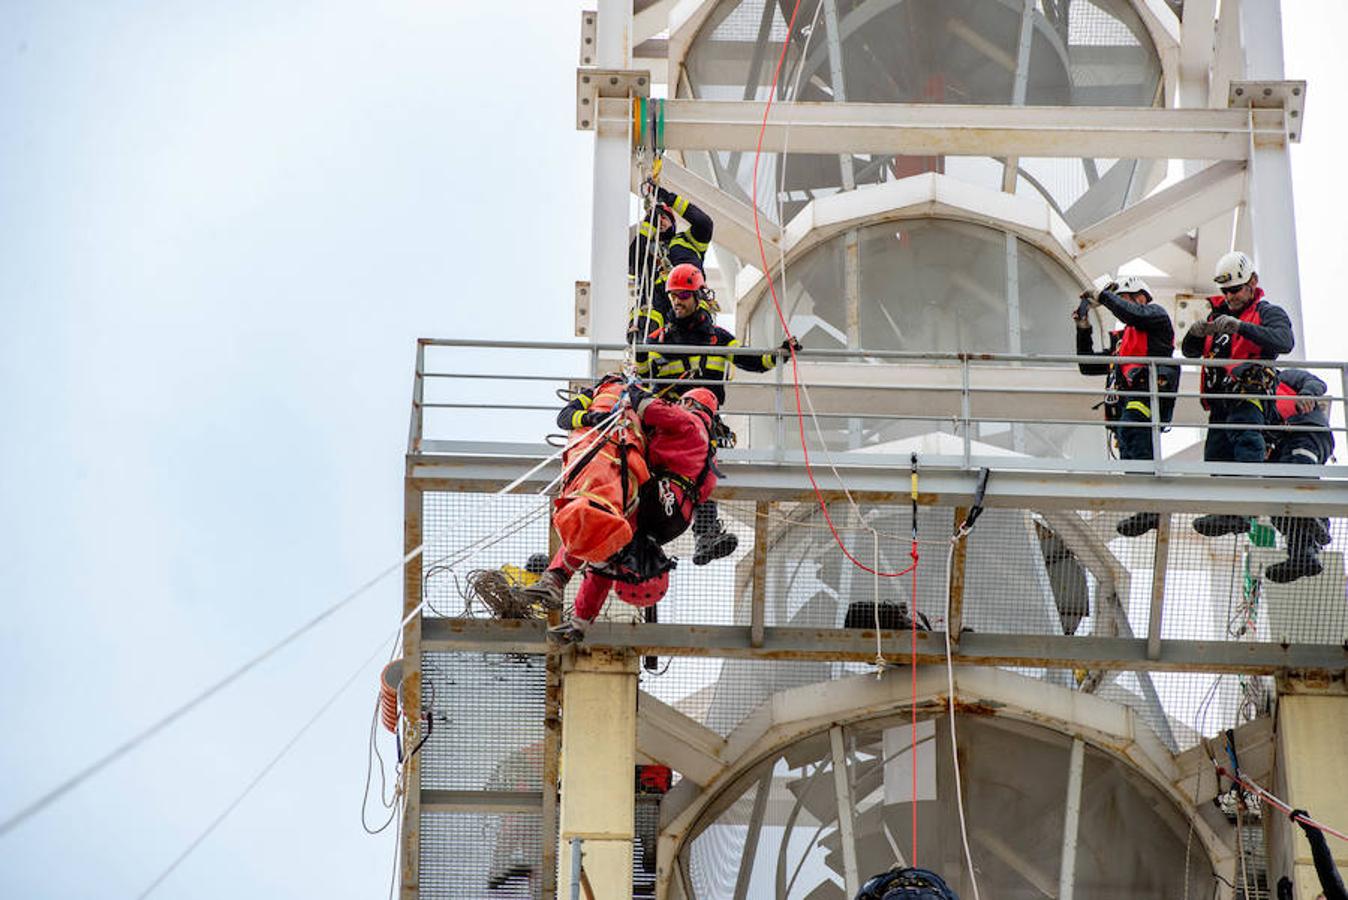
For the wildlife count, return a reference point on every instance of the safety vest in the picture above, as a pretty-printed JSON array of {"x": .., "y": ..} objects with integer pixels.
[
  {"x": 1215, "y": 378},
  {"x": 1286, "y": 408},
  {"x": 595, "y": 509}
]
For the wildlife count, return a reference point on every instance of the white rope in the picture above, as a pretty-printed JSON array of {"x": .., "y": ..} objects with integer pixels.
[{"x": 950, "y": 685}]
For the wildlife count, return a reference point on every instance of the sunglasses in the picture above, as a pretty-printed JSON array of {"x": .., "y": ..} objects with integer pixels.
[
  {"x": 1232, "y": 290},
  {"x": 683, "y": 295}
]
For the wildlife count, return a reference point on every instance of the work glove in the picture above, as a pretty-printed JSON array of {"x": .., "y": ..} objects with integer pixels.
[
  {"x": 1201, "y": 329},
  {"x": 789, "y": 345},
  {"x": 1299, "y": 812},
  {"x": 1081, "y": 315},
  {"x": 1224, "y": 325},
  {"x": 666, "y": 197},
  {"x": 593, "y": 418}
]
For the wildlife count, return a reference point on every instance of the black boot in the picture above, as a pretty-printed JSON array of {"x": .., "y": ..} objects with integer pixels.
[
  {"x": 714, "y": 545},
  {"x": 1218, "y": 525},
  {"x": 1138, "y": 524},
  {"x": 1304, "y": 565}
]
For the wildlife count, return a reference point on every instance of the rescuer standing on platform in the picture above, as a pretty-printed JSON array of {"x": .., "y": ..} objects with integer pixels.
[
  {"x": 1147, "y": 331},
  {"x": 1297, "y": 403},
  {"x": 693, "y": 325},
  {"x": 652, "y": 264},
  {"x": 1241, "y": 326}
]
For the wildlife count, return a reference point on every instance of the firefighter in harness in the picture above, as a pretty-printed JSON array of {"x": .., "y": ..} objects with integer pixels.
[
  {"x": 657, "y": 249},
  {"x": 693, "y": 325},
  {"x": 681, "y": 462},
  {"x": 1147, "y": 331}
]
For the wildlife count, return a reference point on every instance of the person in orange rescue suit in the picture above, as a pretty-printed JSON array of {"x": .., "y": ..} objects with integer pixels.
[
  {"x": 1298, "y": 403},
  {"x": 694, "y": 326},
  {"x": 671, "y": 249},
  {"x": 681, "y": 457},
  {"x": 1147, "y": 331},
  {"x": 1242, "y": 326}
]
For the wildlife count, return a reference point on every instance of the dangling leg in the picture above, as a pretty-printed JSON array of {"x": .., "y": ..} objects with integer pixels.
[{"x": 713, "y": 541}]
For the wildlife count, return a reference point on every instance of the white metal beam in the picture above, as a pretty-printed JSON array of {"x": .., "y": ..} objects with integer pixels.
[
  {"x": 612, "y": 162},
  {"x": 652, "y": 20},
  {"x": 733, "y": 217},
  {"x": 1067, "y": 874},
  {"x": 1153, "y": 222},
  {"x": 669, "y": 737},
  {"x": 957, "y": 130},
  {"x": 842, "y": 789}
]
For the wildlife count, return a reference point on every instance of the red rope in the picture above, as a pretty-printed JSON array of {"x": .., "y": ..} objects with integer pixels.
[
  {"x": 800, "y": 423},
  {"x": 776, "y": 303}
]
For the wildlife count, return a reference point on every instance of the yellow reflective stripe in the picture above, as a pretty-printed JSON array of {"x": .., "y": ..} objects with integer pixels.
[
  {"x": 694, "y": 362},
  {"x": 717, "y": 363},
  {"x": 654, "y": 315},
  {"x": 1259, "y": 404},
  {"x": 584, "y": 401},
  {"x": 769, "y": 360},
  {"x": 576, "y": 417},
  {"x": 1139, "y": 406},
  {"x": 684, "y": 239},
  {"x": 680, "y": 204},
  {"x": 734, "y": 342},
  {"x": 647, "y": 229},
  {"x": 671, "y": 368}
]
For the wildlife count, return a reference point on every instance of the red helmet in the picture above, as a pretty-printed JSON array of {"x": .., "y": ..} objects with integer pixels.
[
  {"x": 685, "y": 277},
  {"x": 643, "y": 593},
  {"x": 703, "y": 398}
]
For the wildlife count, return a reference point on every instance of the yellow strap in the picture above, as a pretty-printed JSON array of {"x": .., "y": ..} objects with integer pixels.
[
  {"x": 656, "y": 167},
  {"x": 913, "y": 488},
  {"x": 1139, "y": 406}
]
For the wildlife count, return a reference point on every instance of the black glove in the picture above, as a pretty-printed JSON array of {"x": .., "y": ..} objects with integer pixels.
[
  {"x": 665, "y": 196},
  {"x": 789, "y": 345},
  {"x": 1082, "y": 313},
  {"x": 1299, "y": 812},
  {"x": 638, "y": 394},
  {"x": 592, "y": 419}
]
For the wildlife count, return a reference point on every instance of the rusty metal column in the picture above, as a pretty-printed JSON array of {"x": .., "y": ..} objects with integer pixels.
[
  {"x": 1312, "y": 773},
  {"x": 598, "y": 773},
  {"x": 411, "y": 693}
]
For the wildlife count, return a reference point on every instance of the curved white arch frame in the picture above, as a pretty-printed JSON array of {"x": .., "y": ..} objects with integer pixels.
[
  {"x": 686, "y": 20},
  {"x": 926, "y": 196},
  {"x": 791, "y": 715}
]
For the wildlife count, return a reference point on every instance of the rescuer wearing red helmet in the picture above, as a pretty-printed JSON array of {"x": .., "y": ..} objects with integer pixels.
[
  {"x": 651, "y": 264},
  {"x": 694, "y": 325},
  {"x": 681, "y": 457}
]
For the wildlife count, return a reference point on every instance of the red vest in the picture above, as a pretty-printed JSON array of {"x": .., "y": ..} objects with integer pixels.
[
  {"x": 1286, "y": 408},
  {"x": 1241, "y": 347},
  {"x": 1132, "y": 342}
]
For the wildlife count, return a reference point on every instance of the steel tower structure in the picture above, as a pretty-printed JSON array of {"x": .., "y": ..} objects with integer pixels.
[{"x": 938, "y": 180}]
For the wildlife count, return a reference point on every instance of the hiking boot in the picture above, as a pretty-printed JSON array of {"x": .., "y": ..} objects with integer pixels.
[
  {"x": 1216, "y": 526},
  {"x": 1315, "y": 531},
  {"x": 714, "y": 545},
  {"x": 572, "y": 631},
  {"x": 548, "y": 592},
  {"x": 1294, "y": 567},
  {"x": 1138, "y": 524}
]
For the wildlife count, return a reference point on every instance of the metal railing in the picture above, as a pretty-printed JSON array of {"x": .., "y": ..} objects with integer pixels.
[{"x": 965, "y": 407}]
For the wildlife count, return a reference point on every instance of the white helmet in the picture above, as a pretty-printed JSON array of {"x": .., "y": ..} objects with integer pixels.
[
  {"x": 1131, "y": 284},
  {"x": 1233, "y": 270}
]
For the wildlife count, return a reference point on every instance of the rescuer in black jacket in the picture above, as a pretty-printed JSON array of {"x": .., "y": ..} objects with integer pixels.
[
  {"x": 1242, "y": 326},
  {"x": 692, "y": 325},
  {"x": 1297, "y": 403},
  {"x": 651, "y": 264},
  {"x": 1147, "y": 331}
]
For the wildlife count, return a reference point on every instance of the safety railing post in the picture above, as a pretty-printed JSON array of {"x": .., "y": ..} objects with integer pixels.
[
  {"x": 576, "y": 847},
  {"x": 594, "y": 363},
  {"x": 1155, "y": 419},
  {"x": 780, "y": 421},
  {"x": 966, "y": 425},
  {"x": 416, "y": 426}
]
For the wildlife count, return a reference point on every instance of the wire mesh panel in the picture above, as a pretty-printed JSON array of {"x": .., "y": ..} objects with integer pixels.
[
  {"x": 466, "y": 532},
  {"x": 488, "y": 732},
  {"x": 481, "y": 855}
]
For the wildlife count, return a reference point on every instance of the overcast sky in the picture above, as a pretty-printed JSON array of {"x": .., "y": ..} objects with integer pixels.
[{"x": 222, "y": 228}]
